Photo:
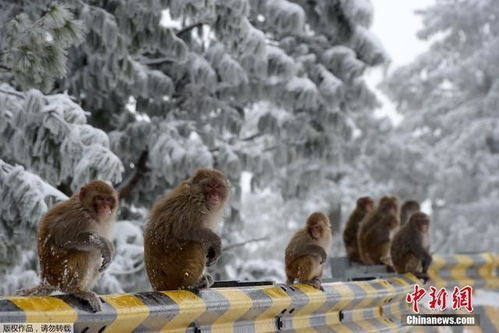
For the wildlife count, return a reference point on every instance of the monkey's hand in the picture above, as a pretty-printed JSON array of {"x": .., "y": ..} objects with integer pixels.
[
  {"x": 311, "y": 250},
  {"x": 423, "y": 276},
  {"x": 87, "y": 241},
  {"x": 214, "y": 253},
  {"x": 210, "y": 241},
  {"x": 107, "y": 252},
  {"x": 426, "y": 258}
]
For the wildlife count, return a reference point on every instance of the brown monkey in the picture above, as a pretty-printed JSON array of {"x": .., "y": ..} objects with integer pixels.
[
  {"x": 410, "y": 245},
  {"x": 74, "y": 244},
  {"x": 364, "y": 206},
  {"x": 179, "y": 240},
  {"x": 376, "y": 230},
  {"x": 307, "y": 251},
  {"x": 408, "y": 208}
]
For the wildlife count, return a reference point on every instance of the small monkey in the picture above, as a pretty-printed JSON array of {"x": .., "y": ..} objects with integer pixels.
[
  {"x": 376, "y": 230},
  {"x": 74, "y": 244},
  {"x": 364, "y": 206},
  {"x": 180, "y": 239},
  {"x": 307, "y": 251},
  {"x": 408, "y": 208},
  {"x": 410, "y": 246}
]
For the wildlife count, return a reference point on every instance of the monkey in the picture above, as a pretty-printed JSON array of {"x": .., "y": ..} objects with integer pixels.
[
  {"x": 410, "y": 246},
  {"x": 179, "y": 238},
  {"x": 376, "y": 230},
  {"x": 307, "y": 251},
  {"x": 408, "y": 208},
  {"x": 364, "y": 206},
  {"x": 74, "y": 245}
]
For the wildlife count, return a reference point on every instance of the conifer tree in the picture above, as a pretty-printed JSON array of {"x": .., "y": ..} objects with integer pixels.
[{"x": 269, "y": 87}]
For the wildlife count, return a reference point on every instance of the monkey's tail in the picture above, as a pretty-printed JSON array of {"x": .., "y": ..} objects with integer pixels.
[{"x": 42, "y": 289}]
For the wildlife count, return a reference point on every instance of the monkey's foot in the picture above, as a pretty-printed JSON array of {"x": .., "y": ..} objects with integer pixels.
[
  {"x": 422, "y": 276},
  {"x": 387, "y": 261},
  {"x": 40, "y": 290},
  {"x": 390, "y": 269},
  {"x": 316, "y": 283},
  {"x": 211, "y": 260},
  {"x": 206, "y": 281},
  {"x": 91, "y": 298}
]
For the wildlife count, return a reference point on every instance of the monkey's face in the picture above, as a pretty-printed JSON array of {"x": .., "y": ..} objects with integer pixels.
[
  {"x": 213, "y": 186},
  {"x": 99, "y": 198},
  {"x": 318, "y": 224},
  {"x": 368, "y": 206},
  {"x": 422, "y": 221},
  {"x": 389, "y": 206},
  {"x": 424, "y": 226},
  {"x": 103, "y": 204},
  {"x": 215, "y": 192},
  {"x": 316, "y": 230}
]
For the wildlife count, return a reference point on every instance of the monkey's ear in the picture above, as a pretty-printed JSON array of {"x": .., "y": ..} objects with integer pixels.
[
  {"x": 197, "y": 177},
  {"x": 83, "y": 193}
]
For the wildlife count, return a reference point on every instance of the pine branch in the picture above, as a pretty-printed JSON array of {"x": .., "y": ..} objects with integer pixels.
[
  {"x": 13, "y": 93},
  {"x": 154, "y": 61},
  {"x": 127, "y": 186},
  {"x": 252, "y": 137},
  {"x": 236, "y": 245},
  {"x": 159, "y": 61},
  {"x": 249, "y": 138}
]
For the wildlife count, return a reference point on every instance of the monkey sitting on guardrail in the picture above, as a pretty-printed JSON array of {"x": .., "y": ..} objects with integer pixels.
[{"x": 307, "y": 251}]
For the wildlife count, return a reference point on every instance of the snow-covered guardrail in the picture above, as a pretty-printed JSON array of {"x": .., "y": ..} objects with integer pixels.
[
  {"x": 359, "y": 306},
  {"x": 368, "y": 305}
]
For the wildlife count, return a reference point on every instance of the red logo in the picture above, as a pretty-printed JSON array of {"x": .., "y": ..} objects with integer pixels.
[
  {"x": 461, "y": 298},
  {"x": 414, "y": 297},
  {"x": 438, "y": 298}
]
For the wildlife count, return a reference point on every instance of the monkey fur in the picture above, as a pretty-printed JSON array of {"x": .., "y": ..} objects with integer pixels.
[
  {"x": 376, "y": 230},
  {"x": 307, "y": 251},
  {"x": 410, "y": 246},
  {"x": 180, "y": 239},
  {"x": 74, "y": 245},
  {"x": 408, "y": 208},
  {"x": 364, "y": 206}
]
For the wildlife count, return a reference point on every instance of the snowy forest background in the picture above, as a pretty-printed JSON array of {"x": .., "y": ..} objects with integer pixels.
[{"x": 272, "y": 92}]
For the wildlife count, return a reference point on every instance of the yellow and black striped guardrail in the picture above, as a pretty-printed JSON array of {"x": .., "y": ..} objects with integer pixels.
[
  {"x": 476, "y": 270},
  {"x": 372, "y": 306},
  {"x": 360, "y": 306}
]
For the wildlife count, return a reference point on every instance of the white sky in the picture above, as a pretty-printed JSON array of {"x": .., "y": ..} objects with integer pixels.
[{"x": 396, "y": 25}]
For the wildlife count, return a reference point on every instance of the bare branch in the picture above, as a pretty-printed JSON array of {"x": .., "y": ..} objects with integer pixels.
[
  {"x": 252, "y": 137},
  {"x": 189, "y": 28},
  {"x": 236, "y": 245},
  {"x": 126, "y": 187}
]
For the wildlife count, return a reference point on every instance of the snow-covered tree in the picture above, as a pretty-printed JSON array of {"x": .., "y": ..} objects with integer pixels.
[
  {"x": 270, "y": 87},
  {"x": 450, "y": 99}
]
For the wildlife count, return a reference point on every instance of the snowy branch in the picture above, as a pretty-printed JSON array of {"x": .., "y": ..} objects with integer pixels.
[{"x": 12, "y": 93}]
